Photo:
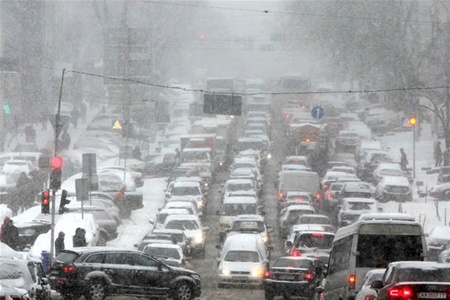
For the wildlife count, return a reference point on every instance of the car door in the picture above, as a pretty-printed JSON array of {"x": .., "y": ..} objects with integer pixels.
[
  {"x": 150, "y": 275},
  {"x": 118, "y": 267}
]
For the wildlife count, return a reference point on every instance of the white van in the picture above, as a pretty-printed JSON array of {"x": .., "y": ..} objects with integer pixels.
[
  {"x": 242, "y": 260},
  {"x": 33, "y": 157},
  {"x": 367, "y": 245},
  {"x": 233, "y": 206}
]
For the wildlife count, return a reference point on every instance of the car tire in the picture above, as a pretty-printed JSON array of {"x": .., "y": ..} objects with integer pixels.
[
  {"x": 183, "y": 291},
  {"x": 96, "y": 291},
  {"x": 268, "y": 296}
]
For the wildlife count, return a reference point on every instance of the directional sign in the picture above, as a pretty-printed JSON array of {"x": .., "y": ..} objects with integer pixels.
[
  {"x": 317, "y": 112},
  {"x": 63, "y": 120},
  {"x": 222, "y": 104}
]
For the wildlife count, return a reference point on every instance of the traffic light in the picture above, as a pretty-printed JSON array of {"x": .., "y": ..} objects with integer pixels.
[
  {"x": 63, "y": 202},
  {"x": 412, "y": 119},
  {"x": 56, "y": 174},
  {"x": 45, "y": 202}
]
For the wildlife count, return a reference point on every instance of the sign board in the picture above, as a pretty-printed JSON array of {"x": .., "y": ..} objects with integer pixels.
[
  {"x": 89, "y": 164},
  {"x": 82, "y": 189},
  {"x": 406, "y": 123},
  {"x": 117, "y": 125},
  {"x": 222, "y": 105},
  {"x": 317, "y": 112}
]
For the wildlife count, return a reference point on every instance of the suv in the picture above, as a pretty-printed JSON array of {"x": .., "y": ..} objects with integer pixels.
[{"x": 98, "y": 272}]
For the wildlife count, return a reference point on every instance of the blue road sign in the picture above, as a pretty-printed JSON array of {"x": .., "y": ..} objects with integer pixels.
[{"x": 317, "y": 112}]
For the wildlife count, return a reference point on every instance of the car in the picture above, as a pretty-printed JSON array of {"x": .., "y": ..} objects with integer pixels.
[
  {"x": 316, "y": 219},
  {"x": 160, "y": 164},
  {"x": 356, "y": 190},
  {"x": 248, "y": 224},
  {"x": 136, "y": 176},
  {"x": 348, "y": 170},
  {"x": 311, "y": 241},
  {"x": 233, "y": 185},
  {"x": 441, "y": 191},
  {"x": 179, "y": 236},
  {"x": 193, "y": 229},
  {"x": 387, "y": 216},
  {"x": 27, "y": 275},
  {"x": 394, "y": 188},
  {"x": 98, "y": 272},
  {"x": 189, "y": 204},
  {"x": 155, "y": 238},
  {"x": 367, "y": 292},
  {"x": 334, "y": 176},
  {"x": 414, "y": 280},
  {"x": 296, "y": 160},
  {"x": 289, "y": 215},
  {"x": 444, "y": 174},
  {"x": 15, "y": 167},
  {"x": 352, "y": 208},
  {"x": 170, "y": 254},
  {"x": 347, "y": 141},
  {"x": 369, "y": 163},
  {"x": 437, "y": 240},
  {"x": 189, "y": 189},
  {"x": 233, "y": 206},
  {"x": 386, "y": 169},
  {"x": 292, "y": 276},
  {"x": 163, "y": 213},
  {"x": 242, "y": 260}
]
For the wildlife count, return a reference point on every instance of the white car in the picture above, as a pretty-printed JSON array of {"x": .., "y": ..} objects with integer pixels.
[
  {"x": 67, "y": 223},
  {"x": 367, "y": 292},
  {"x": 188, "y": 189},
  {"x": 394, "y": 188},
  {"x": 171, "y": 254},
  {"x": 15, "y": 167},
  {"x": 192, "y": 228},
  {"x": 386, "y": 169},
  {"x": 234, "y": 185},
  {"x": 352, "y": 208},
  {"x": 290, "y": 214}
]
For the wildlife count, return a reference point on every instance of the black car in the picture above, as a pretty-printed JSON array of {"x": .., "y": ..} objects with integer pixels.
[
  {"x": 98, "y": 272},
  {"x": 292, "y": 276},
  {"x": 29, "y": 231}
]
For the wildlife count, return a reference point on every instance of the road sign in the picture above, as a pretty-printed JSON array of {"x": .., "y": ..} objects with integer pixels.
[
  {"x": 117, "y": 125},
  {"x": 222, "y": 105},
  {"x": 406, "y": 123},
  {"x": 317, "y": 112},
  {"x": 63, "y": 120}
]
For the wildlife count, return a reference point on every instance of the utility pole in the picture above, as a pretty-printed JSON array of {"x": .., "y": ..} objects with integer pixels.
[{"x": 127, "y": 94}]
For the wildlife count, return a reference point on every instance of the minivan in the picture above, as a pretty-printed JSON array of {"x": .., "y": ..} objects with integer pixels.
[
  {"x": 242, "y": 261},
  {"x": 367, "y": 245}
]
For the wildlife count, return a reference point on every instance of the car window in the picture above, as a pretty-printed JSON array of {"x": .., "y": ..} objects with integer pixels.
[
  {"x": 118, "y": 258},
  {"x": 96, "y": 258},
  {"x": 144, "y": 261},
  {"x": 243, "y": 256},
  {"x": 67, "y": 257},
  {"x": 292, "y": 263}
]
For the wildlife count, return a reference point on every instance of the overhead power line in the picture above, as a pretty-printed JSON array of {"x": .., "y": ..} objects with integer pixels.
[{"x": 135, "y": 81}]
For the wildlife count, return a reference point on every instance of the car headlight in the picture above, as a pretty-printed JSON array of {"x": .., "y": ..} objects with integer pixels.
[
  {"x": 200, "y": 203},
  {"x": 199, "y": 238},
  {"x": 225, "y": 272},
  {"x": 257, "y": 272},
  {"x": 269, "y": 156},
  {"x": 265, "y": 239},
  {"x": 221, "y": 163},
  {"x": 206, "y": 184}
]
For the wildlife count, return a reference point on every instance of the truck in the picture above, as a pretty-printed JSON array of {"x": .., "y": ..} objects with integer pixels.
[{"x": 303, "y": 138}]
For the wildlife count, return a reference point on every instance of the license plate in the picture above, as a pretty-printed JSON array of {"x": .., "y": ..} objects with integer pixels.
[
  {"x": 239, "y": 277},
  {"x": 431, "y": 295},
  {"x": 287, "y": 277}
]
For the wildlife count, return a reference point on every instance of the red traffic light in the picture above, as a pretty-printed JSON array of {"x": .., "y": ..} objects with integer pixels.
[{"x": 56, "y": 162}]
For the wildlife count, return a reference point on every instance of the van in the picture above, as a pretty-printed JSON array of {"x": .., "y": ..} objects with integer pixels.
[
  {"x": 233, "y": 206},
  {"x": 242, "y": 261},
  {"x": 298, "y": 181},
  {"x": 367, "y": 245}
]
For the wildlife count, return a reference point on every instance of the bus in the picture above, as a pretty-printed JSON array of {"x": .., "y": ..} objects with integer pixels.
[{"x": 367, "y": 245}]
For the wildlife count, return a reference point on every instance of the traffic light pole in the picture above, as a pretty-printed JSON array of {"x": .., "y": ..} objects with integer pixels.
[{"x": 57, "y": 131}]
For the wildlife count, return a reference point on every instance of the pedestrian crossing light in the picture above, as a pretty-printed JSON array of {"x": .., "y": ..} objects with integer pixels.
[
  {"x": 412, "y": 119},
  {"x": 45, "y": 202},
  {"x": 6, "y": 110}
]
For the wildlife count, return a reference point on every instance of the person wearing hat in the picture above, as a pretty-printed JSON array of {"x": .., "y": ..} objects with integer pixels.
[
  {"x": 9, "y": 233},
  {"x": 59, "y": 243},
  {"x": 438, "y": 154}
]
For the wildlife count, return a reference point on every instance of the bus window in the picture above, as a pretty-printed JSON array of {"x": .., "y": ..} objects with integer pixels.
[{"x": 340, "y": 255}]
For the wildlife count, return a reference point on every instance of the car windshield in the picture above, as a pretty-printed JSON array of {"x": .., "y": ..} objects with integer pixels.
[
  {"x": 361, "y": 206},
  {"x": 315, "y": 220},
  {"x": 185, "y": 191},
  {"x": 248, "y": 225},
  {"x": 163, "y": 252},
  {"x": 182, "y": 225},
  {"x": 292, "y": 263},
  {"x": 242, "y": 256},
  {"x": 234, "y": 209},
  {"x": 416, "y": 274},
  {"x": 195, "y": 156},
  {"x": 233, "y": 187}
]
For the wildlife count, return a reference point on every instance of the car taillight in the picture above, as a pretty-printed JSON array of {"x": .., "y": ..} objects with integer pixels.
[
  {"x": 308, "y": 276},
  {"x": 329, "y": 196},
  {"x": 401, "y": 292},
  {"x": 16, "y": 297},
  {"x": 281, "y": 195},
  {"x": 296, "y": 252},
  {"x": 318, "y": 196},
  {"x": 267, "y": 274},
  {"x": 68, "y": 269},
  {"x": 352, "y": 281},
  {"x": 325, "y": 186},
  {"x": 369, "y": 297}
]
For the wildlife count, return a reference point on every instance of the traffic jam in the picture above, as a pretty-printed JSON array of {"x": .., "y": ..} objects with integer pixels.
[{"x": 292, "y": 198}]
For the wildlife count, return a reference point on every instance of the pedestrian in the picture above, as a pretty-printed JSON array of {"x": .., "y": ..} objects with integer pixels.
[
  {"x": 25, "y": 191},
  {"x": 403, "y": 159},
  {"x": 121, "y": 201},
  {"x": 79, "y": 239},
  {"x": 59, "y": 243},
  {"x": 438, "y": 154},
  {"x": 9, "y": 233},
  {"x": 136, "y": 153},
  {"x": 65, "y": 139},
  {"x": 75, "y": 114}
]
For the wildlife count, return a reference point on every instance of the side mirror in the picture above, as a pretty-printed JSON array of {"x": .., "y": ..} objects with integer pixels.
[
  {"x": 205, "y": 229},
  {"x": 219, "y": 247},
  {"x": 377, "y": 284},
  {"x": 135, "y": 245}
]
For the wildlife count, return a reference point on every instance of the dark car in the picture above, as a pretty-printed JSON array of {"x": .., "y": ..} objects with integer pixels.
[
  {"x": 156, "y": 238},
  {"x": 27, "y": 275},
  {"x": 98, "y": 272},
  {"x": 414, "y": 280},
  {"x": 29, "y": 231},
  {"x": 160, "y": 164},
  {"x": 292, "y": 276}
]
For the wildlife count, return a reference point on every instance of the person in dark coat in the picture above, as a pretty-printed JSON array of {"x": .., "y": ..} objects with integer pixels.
[
  {"x": 438, "y": 154},
  {"x": 9, "y": 233},
  {"x": 120, "y": 200},
  {"x": 25, "y": 190},
  {"x": 79, "y": 239},
  {"x": 403, "y": 159},
  {"x": 59, "y": 243}
]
